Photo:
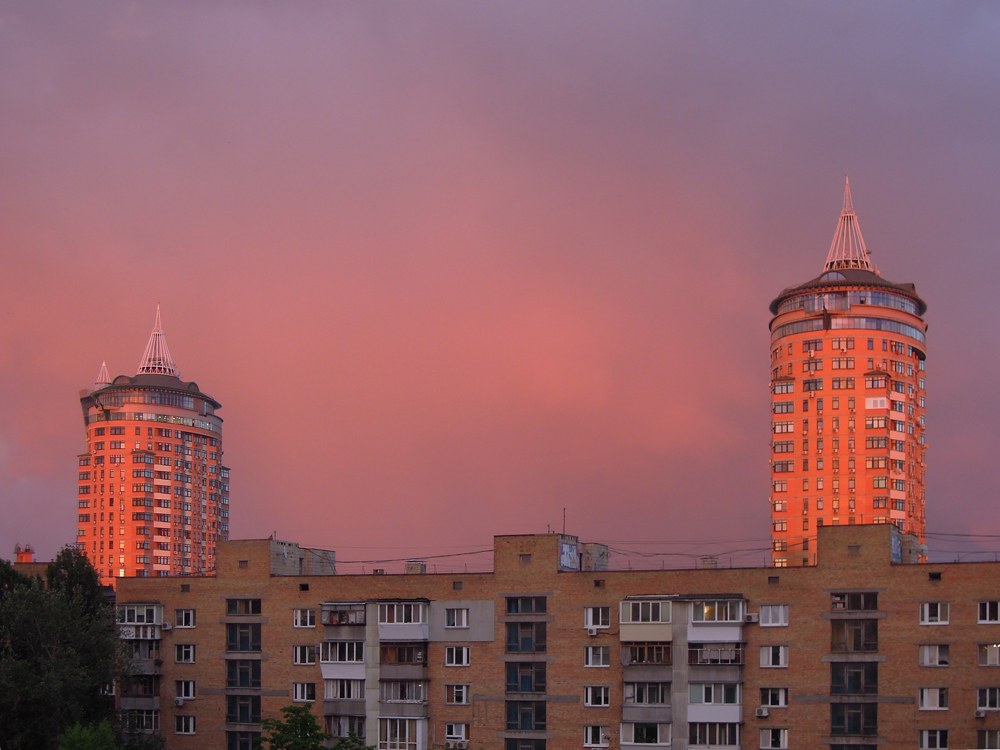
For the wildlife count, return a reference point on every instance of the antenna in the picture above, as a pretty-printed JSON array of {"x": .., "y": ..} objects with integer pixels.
[{"x": 848, "y": 249}]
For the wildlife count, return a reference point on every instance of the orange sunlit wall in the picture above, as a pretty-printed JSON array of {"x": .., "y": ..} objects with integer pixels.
[
  {"x": 848, "y": 441},
  {"x": 153, "y": 493}
]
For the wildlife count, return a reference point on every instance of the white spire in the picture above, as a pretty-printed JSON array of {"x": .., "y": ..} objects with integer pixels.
[
  {"x": 103, "y": 378},
  {"x": 156, "y": 360},
  {"x": 848, "y": 248}
]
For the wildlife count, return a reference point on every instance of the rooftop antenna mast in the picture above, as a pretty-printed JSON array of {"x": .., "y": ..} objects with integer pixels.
[
  {"x": 848, "y": 251},
  {"x": 157, "y": 360}
]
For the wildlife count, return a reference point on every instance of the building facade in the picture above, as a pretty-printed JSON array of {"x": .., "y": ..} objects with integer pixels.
[
  {"x": 153, "y": 492},
  {"x": 860, "y": 650},
  {"x": 848, "y": 439}
]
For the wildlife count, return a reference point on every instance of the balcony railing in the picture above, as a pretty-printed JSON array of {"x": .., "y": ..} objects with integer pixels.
[{"x": 716, "y": 655}]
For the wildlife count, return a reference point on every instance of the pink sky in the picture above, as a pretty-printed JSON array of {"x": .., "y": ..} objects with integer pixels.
[{"x": 453, "y": 267}]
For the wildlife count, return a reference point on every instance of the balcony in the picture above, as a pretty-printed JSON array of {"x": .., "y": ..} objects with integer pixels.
[{"x": 733, "y": 655}]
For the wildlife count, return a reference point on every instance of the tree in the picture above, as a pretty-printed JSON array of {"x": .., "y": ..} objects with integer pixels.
[
  {"x": 99, "y": 737},
  {"x": 298, "y": 730},
  {"x": 58, "y": 649},
  {"x": 351, "y": 742}
]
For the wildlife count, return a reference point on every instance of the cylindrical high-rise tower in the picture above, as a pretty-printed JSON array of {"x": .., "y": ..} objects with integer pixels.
[
  {"x": 848, "y": 443},
  {"x": 153, "y": 492}
]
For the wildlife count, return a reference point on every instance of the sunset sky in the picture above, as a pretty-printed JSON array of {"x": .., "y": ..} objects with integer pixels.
[{"x": 453, "y": 267}]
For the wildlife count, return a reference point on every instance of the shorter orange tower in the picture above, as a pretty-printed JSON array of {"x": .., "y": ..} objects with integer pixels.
[
  {"x": 848, "y": 441},
  {"x": 153, "y": 494}
]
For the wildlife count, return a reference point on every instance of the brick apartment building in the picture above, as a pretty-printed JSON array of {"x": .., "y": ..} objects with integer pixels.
[{"x": 552, "y": 651}]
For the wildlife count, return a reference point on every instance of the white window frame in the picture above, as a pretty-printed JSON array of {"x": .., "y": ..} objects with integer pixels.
[
  {"x": 929, "y": 649},
  {"x": 991, "y": 738},
  {"x": 390, "y": 691},
  {"x": 984, "y": 699},
  {"x": 774, "y": 615},
  {"x": 355, "y": 690},
  {"x": 184, "y": 689},
  {"x": 300, "y": 692},
  {"x": 406, "y": 733},
  {"x": 767, "y": 654},
  {"x": 457, "y": 656},
  {"x": 596, "y": 736},
  {"x": 402, "y": 613},
  {"x": 781, "y": 692},
  {"x": 925, "y": 739},
  {"x": 643, "y": 609},
  {"x": 461, "y": 694},
  {"x": 628, "y": 734},
  {"x": 301, "y": 654},
  {"x": 185, "y": 618},
  {"x": 630, "y": 689},
  {"x": 715, "y": 689},
  {"x": 597, "y": 696},
  {"x": 456, "y": 617},
  {"x": 992, "y": 652},
  {"x": 989, "y": 612},
  {"x": 184, "y": 653},
  {"x": 774, "y": 738},
  {"x": 454, "y": 731},
  {"x": 184, "y": 724},
  {"x": 934, "y": 613},
  {"x": 304, "y": 618},
  {"x": 330, "y": 652},
  {"x": 701, "y": 610},
  {"x": 930, "y": 699},
  {"x": 602, "y": 662},
  {"x": 597, "y": 617}
]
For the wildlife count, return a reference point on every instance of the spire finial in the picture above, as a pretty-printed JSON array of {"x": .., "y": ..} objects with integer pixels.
[
  {"x": 156, "y": 360},
  {"x": 848, "y": 247},
  {"x": 103, "y": 378}
]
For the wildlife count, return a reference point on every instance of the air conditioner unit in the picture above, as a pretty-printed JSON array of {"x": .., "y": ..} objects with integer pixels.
[
  {"x": 168, "y": 626},
  {"x": 178, "y": 701},
  {"x": 751, "y": 617},
  {"x": 591, "y": 631},
  {"x": 762, "y": 713},
  {"x": 812, "y": 394},
  {"x": 462, "y": 745},
  {"x": 843, "y": 351},
  {"x": 450, "y": 744},
  {"x": 980, "y": 713},
  {"x": 811, "y": 354}
]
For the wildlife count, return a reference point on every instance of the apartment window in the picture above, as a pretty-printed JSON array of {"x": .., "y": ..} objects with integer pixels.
[
  {"x": 934, "y": 613},
  {"x": 525, "y": 715},
  {"x": 783, "y": 407},
  {"x": 243, "y": 709},
  {"x": 526, "y": 677},
  {"x": 645, "y": 734},
  {"x": 526, "y": 637},
  {"x": 402, "y": 691},
  {"x": 304, "y": 692},
  {"x": 597, "y": 656},
  {"x": 988, "y": 698},
  {"x": 456, "y": 656},
  {"x": 774, "y": 697},
  {"x": 402, "y": 612},
  {"x": 773, "y": 615},
  {"x": 184, "y": 688},
  {"x": 403, "y": 654},
  {"x": 597, "y": 617},
  {"x": 853, "y": 719},
  {"x": 935, "y": 655},
  {"x": 713, "y": 735},
  {"x": 645, "y": 611},
  {"x": 596, "y": 736},
  {"x": 861, "y": 602},
  {"x": 303, "y": 655},
  {"x": 141, "y": 720},
  {"x": 648, "y": 653},
  {"x": 853, "y": 678},
  {"x": 989, "y": 612},
  {"x": 184, "y": 653},
  {"x": 933, "y": 739},
  {"x": 715, "y": 653},
  {"x": 242, "y": 606},
  {"x": 458, "y": 732},
  {"x": 457, "y": 695},
  {"x": 647, "y": 693},
  {"x": 597, "y": 696},
  {"x": 784, "y": 387},
  {"x": 708, "y": 693},
  {"x": 397, "y": 734},
  {"x": 140, "y": 615},
  {"x": 184, "y": 618},
  {"x": 342, "y": 651},
  {"x": 243, "y": 636},
  {"x": 456, "y": 618},
  {"x": 933, "y": 699},
  {"x": 774, "y": 656},
  {"x": 304, "y": 618},
  {"x": 243, "y": 673},
  {"x": 730, "y": 610},
  {"x": 989, "y": 654},
  {"x": 241, "y": 740},
  {"x": 526, "y": 605},
  {"x": 344, "y": 690},
  {"x": 774, "y": 738},
  {"x": 988, "y": 738},
  {"x": 184, "y": 724}
]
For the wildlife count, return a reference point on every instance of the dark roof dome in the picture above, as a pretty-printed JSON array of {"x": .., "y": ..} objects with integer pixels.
[{"x": 849, "y": 277}]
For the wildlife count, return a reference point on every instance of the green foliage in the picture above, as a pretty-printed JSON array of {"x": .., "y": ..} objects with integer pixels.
[
  {"x": 57, "y": 650},
  {"x": 298, "y": 730},
  {"x": 99, "y": 737},
  {"x": 351, "y": 742}
]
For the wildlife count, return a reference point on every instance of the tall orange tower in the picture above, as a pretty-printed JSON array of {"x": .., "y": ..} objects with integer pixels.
[
  {"x": 153, "y": 492},
  {"x": 848, "y": 443}
]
